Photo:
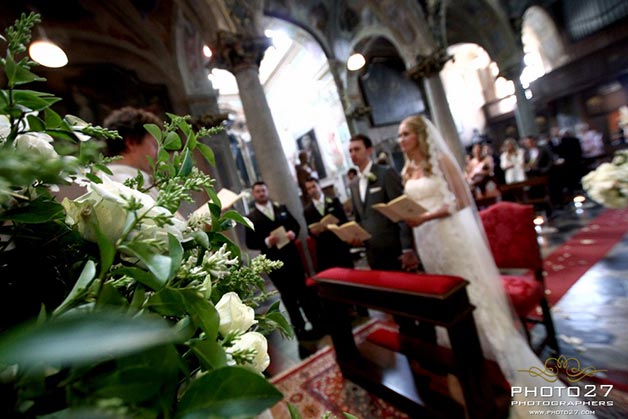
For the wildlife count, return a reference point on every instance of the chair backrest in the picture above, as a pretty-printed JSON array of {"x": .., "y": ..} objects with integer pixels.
[
  {"x": 311, "y": 248},
  {"x": 511, "y": 235}
]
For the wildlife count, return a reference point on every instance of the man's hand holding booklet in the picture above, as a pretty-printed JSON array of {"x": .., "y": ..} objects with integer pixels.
[
  {"x": 350, "y": 232},
  {"x": 400, "y": 208}
]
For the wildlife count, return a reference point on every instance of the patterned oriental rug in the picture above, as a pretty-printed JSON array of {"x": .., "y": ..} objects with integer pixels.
[
  {"x": 316, "y": 386},
  {"x": 573, "y": 258}
]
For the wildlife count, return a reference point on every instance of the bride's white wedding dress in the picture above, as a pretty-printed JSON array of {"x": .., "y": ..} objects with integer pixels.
[{"x": 455, "y": 245}]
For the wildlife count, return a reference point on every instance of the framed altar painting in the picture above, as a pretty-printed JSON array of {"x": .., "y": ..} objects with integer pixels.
[{"x": 308, "y": 143}]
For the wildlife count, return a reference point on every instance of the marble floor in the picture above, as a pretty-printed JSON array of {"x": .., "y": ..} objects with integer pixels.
[{"x": 591, "y": 318}]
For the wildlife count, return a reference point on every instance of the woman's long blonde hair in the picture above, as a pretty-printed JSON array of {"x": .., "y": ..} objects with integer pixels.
[{"x": 417, "y": 125}]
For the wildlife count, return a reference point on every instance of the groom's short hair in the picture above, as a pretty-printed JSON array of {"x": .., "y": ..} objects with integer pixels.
[{"x": 361, "y": 137}]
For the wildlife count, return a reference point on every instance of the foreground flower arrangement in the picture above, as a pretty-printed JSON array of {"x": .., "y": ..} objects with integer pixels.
[
  {"x": 608, "y": 183},
  {"x": 154, "y": 316}
]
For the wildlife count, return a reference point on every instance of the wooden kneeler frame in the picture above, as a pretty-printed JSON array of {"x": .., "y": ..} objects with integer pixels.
[{"x": 437, "y": 300}]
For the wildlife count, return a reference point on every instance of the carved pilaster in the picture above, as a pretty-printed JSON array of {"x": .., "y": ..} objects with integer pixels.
[
  {"x": 357, "y": 112},
  {"x": 234, "y": 51},
  {"x": 429, "y": 65}
]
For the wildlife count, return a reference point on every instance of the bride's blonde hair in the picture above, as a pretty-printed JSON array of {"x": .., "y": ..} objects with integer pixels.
[{"x": 417, "y": 125}]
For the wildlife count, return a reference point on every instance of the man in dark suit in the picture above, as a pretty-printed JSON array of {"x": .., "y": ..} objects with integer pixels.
[
  {"x": 330, "y": 250},
  {"x": 290, "y": 279},
  {"x": 391, "y": 245},
  {"x": 538, "y": 159}
]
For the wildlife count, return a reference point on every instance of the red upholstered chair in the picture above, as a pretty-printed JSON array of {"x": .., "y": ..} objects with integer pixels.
[{"x": 513, "y": 241}]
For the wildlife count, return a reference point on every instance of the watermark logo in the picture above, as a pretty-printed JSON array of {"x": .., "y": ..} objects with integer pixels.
[
  {"x": 570, "y": 367},
  {"x": 578, "y": 399}
]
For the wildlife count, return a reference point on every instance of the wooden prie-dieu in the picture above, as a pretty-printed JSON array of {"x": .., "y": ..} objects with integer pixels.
[{"x": 399, "y": 368}]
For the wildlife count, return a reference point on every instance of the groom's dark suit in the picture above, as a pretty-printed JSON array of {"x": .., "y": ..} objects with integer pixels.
[
  {"x": 388, "y": 239},
  {"x": 290, "y": 279},
  {"x": 330, "y": 250}
]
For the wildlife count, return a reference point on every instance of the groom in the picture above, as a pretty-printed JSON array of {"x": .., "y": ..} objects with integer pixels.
[{"x": 390, "y": 247}]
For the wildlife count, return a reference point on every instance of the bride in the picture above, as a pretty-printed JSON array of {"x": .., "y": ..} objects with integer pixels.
[{"x": 450, "y": 241}]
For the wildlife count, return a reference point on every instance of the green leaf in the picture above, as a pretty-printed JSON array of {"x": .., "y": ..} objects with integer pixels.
[
  {"x": 80, "y": 338},
  {"x": 218, "y": 239},
  {"x": 110, "y": 296},
  {"x": 132, "y": 384},
  {"x": 208, "y": 153},
  {"x": 187, "y": 164},
  {"x": 202, "y": 312},
  {"x": 36, "y": 101},
  {"x": 175, "y": 251},
  {"x": 159, "y": 265},
  {"x": 239, "y": 218},
  {"x": 172, "y": 141},
  {"x": 62, "y": 134},
  {"x": 280, "y": 321},
  {"x": 230, "y": 392},
  {"x": 167, "y": 302},
  {"x": 84, "y": 281},
  {"x": 210, "y": 353},
  {"x": 107, "y": 251},
  {"x": 349, "y": 416},
  {"x": 35, "y": 123},
  {"x": 18, "y": 74},
  {"x": 53, "y": 120},
  {"x": 201, "y": 238},
  {"x": 294, "y": 412},
  {"x": 35, "y": 212},
  {"x": 153, "y": 130}
]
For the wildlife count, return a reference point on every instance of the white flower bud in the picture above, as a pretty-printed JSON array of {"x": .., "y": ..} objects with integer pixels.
[
  {"x": 257, "y": 342},
  {"x": 234, "y": 315},
  {"x": 37, "y": 143}
]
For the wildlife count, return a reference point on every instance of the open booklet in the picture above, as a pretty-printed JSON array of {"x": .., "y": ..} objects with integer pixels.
[
  {"x": 324, "y": 222},
  {"x": 281, "y": 234},
  {"x": 349, "y": 232},
  {"x": 400, "y": 208},
  {"x": 227, "y": 199}
]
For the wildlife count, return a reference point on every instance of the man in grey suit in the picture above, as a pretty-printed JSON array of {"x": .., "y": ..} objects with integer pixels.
[{"x": 391, "y": 246}]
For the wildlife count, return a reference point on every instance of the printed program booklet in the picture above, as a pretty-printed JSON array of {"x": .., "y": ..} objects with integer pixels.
[
  {"x": 349, "y": 232},
  {"x": 400, "y": 208}
]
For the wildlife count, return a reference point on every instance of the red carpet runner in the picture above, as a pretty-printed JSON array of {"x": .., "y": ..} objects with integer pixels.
[{"x": 587, "y": 247}]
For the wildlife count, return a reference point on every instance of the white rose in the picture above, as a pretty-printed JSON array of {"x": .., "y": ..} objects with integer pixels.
[
  {"x": 104, "y": 205},
  {"x": 257, "y": 342},
  {"x": 37, "y": 143},
  {"x": 234, "y": 314}
]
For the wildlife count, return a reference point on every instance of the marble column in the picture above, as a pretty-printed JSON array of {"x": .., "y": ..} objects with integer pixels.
[
  {"x": 427, "y": 70},
  {"x": 241, "y": 55},
  {"x": 524, "y": 112}
]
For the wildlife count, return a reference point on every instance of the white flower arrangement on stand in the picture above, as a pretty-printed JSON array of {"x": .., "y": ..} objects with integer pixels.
[{"x": 608, "y": 183}]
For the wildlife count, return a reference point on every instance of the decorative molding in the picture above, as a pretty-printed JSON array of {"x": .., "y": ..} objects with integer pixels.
[
  {"x": 429, "y": 65},
  {"x": 233, "y": 51}
]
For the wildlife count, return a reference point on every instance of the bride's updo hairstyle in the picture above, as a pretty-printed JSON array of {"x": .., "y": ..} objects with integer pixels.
[{"x": 417, "y": 125}]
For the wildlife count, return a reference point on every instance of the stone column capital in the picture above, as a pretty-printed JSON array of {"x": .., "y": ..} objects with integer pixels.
[
  {"x": 234, "y": 51},
  {"x": 209, "y": 120},
  {"x": 429, "y": 65}
]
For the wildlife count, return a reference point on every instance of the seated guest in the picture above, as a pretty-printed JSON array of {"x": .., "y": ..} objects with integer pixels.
[
  {"x": 479, "y": 169},
  {"x": 330, "y": 250},
  {"x": 137, "y": 148}
]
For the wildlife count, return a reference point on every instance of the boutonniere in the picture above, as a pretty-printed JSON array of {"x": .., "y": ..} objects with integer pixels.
[
  {"x": 371, "y": 177},
  {"x": 329, "y": 200}
]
